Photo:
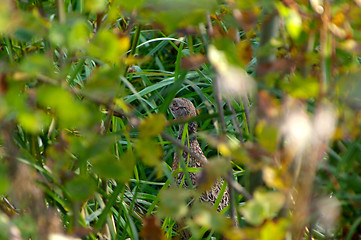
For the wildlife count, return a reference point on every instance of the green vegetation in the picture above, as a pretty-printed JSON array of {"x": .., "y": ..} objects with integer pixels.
[{"x": 87, "y": 140}]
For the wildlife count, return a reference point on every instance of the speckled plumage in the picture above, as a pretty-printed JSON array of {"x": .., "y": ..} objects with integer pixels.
[{"x": 183, "y": 108}]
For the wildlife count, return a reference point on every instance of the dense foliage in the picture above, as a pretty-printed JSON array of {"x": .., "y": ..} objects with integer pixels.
[{"x": 87, "y": 140}]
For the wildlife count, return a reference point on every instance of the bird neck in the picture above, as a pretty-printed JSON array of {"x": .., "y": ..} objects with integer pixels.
[{"x": 192, "y": 130}]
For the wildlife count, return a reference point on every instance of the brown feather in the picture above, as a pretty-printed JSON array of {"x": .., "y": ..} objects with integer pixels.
[{"x": 183, "y": 108}]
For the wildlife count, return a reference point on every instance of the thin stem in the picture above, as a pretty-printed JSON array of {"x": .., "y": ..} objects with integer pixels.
[
  {"x": 269, "y": 30},
  {"x": 134, "y": 45},
  {"x": 61, "y": 11},
  {"x": 246, "y": 115},
  {"x": 109, "y": 117},
  {"x": 235, "y": 121},
  {"x": 9, "y": 48},
  {"x": 218, "y": 97},
  {"x": 190, "y": 44},
  {"x": 326, "y": 50},
  {"x": 135, "y": 40}
]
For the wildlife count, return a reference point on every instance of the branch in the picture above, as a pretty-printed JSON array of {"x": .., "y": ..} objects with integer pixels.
[
  {"x": 235, "y": 121},
  {"x": 238, "y": 188}
]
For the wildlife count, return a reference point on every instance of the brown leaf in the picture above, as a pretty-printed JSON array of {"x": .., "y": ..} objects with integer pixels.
[
  {"x": 211, "y": 172},
  {"x": 244, "y": 52},
  {"x": 189, "y": 30},
  {"x": 151, "y": 229},
  {"x": 282, "y": 66},
  {"x": 82, "y": 231},
  {"x": 193, "y": 62},
  {"x": 268, "y": 105},
  {"x": 246, "y": 18},
  {"x": 3, "y": 83}
]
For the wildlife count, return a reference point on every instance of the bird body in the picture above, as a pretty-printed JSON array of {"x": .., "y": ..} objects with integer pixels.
[{"x": 183, "y": 108}]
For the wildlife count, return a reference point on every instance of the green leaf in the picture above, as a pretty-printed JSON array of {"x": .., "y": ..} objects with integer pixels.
[
  {"x": 15, "y": 101},
  {"x": 5, "y": 226},
  {"x": 229, "y": 49},
  {"x": 265, "y": 205},
  {"x": 274, "y": 230},
  {"x": 173, "y": 203},
  {"x": 109, "y": 47},
  {"x": 152, "y": 126},
  {"x": 9, "y": 19},
  {"x": 70, "y": 112},
  {"x": 300, "y": 87},
  {"x": 80, "y": 188},
  {"x": 267, "y": 136},
  {"x": 78, "y": 36},
  {"x": 272, "y": 202},
  {"x": 92, "y": 146},
  {"x": 293, "y": 20},
  {"x": 37, "y": 64},
  {"x": 33, "y": 122},
  {"x": 95, "y": 6},
  {"x": 4, "y": 108},
  {"x": 177, "y": 14},
  {"x": 253, "y": 212},
  {"x": 4, "y": 182},
  {"x": 149, "y": 151},
  {"x": 349, "y": 89},
  {"x": 103, "y": 83},
  {"x": 26, "y": 225},
  {"x": 57, "y": 34},
  {"x": 107, "y": 166},
  {"x": 205, "y": 217},
  {"x": 131, "y": 5}
]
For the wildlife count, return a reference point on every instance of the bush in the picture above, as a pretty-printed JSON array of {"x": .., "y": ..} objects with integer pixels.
[{"x": 87, "y": 140}]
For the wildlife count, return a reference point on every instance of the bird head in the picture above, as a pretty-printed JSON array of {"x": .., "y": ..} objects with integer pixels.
[{"x": 182, "y": 108}]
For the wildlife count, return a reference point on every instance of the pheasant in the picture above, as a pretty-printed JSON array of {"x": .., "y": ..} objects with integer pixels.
[{"x": 183, "y": 108}]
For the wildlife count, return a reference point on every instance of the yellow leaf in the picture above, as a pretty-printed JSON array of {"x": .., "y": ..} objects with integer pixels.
[
  {"x": 265, "y": 205},
  {"x": 173, "y": 203},
  {"x": 95, "y": 6},
  {"x": 109, "y": 47},
  {"x": 224, "y": 149},
  {"x": 149, "y": 151},
  {"x": 276, "y": 178},
  {"x": 152, "y": 126},
  {"x": 293, "y": 20},
  {"x": 33, "y": 122},
  {"x": 274, "y": 230},
  {"x": 267, "y": 135}
]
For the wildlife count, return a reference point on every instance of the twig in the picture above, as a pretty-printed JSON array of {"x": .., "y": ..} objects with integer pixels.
[
  {"x": 218, "y": 98},
  {"x": 235, "y": 121},
  {"x": 269, "y": 30},
  {"x": 178, "y": 144},
  {"x": 238, "y": 188},
  {"x": 229, "y": 176},
  {"x": 134, "y": 43},
  {"x": 108, "y": 119},
  {"x": 246, "y": 113}
]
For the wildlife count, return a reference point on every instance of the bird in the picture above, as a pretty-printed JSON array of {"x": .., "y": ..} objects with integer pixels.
[{"x": 182, "y": 108}]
